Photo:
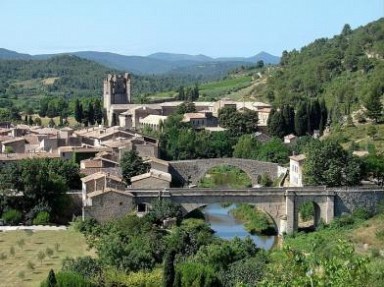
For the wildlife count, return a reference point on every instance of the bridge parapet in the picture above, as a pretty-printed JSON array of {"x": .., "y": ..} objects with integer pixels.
[{"x": 187, "y": 172}]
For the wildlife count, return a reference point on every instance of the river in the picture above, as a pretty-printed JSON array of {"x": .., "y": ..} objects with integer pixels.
[{"x": 227, "y": 227}]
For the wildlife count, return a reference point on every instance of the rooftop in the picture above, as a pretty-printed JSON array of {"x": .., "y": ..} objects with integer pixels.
[{"x": 298, "y": 158}]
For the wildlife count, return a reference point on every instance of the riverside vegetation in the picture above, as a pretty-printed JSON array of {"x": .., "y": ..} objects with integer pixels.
[{"x": 134, "y": 251}]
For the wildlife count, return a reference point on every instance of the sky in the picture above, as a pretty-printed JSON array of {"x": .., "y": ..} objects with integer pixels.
[{"x": 216, "y": 28}]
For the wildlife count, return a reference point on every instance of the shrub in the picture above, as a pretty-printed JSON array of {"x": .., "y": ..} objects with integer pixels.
[
  {"x": 361, "y": 213},
  {"x": 42, "y": 218},
  {"x": 306, "y": 211},
  {"x": 87, "y": 266},
  {"x": 68, "y": 279},
  {"x": 265, "y": 180},
  {"x": 134, "y": 279},
  {"x": 12, "y": 217},
  {"x": 342, "y": 221}
]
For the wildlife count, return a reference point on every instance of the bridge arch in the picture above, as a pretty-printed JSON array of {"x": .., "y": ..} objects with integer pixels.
[
  {"x": 274, "y": 221},
  {"x": 190, "y": 172}
]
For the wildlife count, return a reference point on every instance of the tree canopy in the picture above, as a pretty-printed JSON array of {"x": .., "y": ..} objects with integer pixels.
[
  {"x": 132, "y": 164},
  {"x": 327, "y": 163}
]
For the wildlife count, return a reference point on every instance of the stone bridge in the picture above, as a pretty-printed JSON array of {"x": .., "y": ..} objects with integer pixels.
[
  {"x": 281, "y": 204},
  {"x": 190, "y": 172}
]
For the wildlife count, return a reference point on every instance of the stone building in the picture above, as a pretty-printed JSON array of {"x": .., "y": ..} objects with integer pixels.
[
  {"x": 296, "y": 170},
  {"x": 14, "y": 145},
  {"x": 117, "y": 90},
  {"x": 152, "y": 179}
]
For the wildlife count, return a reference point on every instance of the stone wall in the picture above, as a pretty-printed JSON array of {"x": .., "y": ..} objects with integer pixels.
[
  {"x": 346, "y": 201},
  {"x": 110, "y": 205},
  {"x": 150, "y": 182},
  {"x": 190, "y": 172}
]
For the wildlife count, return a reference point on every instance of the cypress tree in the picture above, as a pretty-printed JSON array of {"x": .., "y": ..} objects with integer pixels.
[
  {"x": 51, "y": 280},
  {"x": 315, "y": 115},
  {"x": 181, "y": 94},
  {"x": 289, "y": 118},
  {"x": 276, "y": 125},
  {"x": 301, "y": 119},
  {"x": 78, "y": 111},
  {"x": 98, "y": 112},
  {"x": 323, "y": 116},
  {"x": 169, "y": 269},
  {"x": 91, "y": 114}
]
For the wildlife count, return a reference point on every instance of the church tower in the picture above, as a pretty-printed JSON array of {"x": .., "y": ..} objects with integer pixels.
[{"x": 117, "y": 91}]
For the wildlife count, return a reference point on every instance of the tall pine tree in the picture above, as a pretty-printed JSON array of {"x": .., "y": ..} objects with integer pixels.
[
  {"x": 289, "y": 118},
  {"x": 323, "y": 116},
  {"x": 78, "y": 111},
  {"x": 98, "y": 112},
  {"x": 301, "y": 119},
  {"x": 91, "y": 114}
]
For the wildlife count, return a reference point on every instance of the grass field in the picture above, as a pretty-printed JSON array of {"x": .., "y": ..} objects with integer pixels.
[
  {"x": 213, "y": 90},
  {"x": 21, "y": 262}
]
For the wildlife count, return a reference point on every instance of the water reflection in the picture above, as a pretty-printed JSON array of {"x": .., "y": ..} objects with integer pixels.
[{"x": 227, "y": 227}]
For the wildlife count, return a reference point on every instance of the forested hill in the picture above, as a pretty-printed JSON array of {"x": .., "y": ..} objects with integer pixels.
[
  {"x": 345, "y": 70},
  {"x": 71, "y": 76}
]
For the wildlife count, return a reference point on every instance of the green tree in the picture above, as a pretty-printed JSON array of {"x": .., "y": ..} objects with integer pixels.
[
  {"x": 274, "y": 151},
  {"x": 196, "y": 275},
  {"x": 78, "y": 111},
  {"x": 181, "y": 94},
  {"x": 323, "y": 116},
  {"x": 91, "y": 114},
  {"x": 169, "y": 269},
  {"x": 277, "y": 125},
  {"x": 238, "y": 123},
  {"x": 288, "y": 113},
  {"x": 51, "y": 280},
  {"x": 98, "y": 112},
  {"x": 247, "y": 147},
  {"x": 301, "y": 119},
  {"x": 30, "y": 121},
  {"x": 186, "y": 107},
  {"x": 132, "y": 164},
  {"x": 51, "y": 123},
  {"x": 374, "y": 168},
  {"x": 372, "y": 131},
  {"x": 88, "y": 267},
  {"x": 5, "y": 115},
  {"x": 374, "y": 106},
  {"x": 327, "y": 163},
  {"x": 260, "y": 64}
]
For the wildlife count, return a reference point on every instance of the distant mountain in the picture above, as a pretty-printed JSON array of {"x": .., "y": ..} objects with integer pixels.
[
  {"x": 180, "y": 57},
  {"x": 158, "y": 63},
  {"x": 265, "y": 57},
  {"x": 12, "y": 55}
]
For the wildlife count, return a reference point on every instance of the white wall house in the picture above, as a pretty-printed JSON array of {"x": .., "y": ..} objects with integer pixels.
[{"x": 296, "y": 170}]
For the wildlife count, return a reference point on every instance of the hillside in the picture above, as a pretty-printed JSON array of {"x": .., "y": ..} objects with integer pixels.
[
  {"x": 24, "y": 82},
  {"x": 342, "y": 69},
  {"x": 157, "y": 63},
  {"x": 244, "y": 83},
  {"x": 347, "y": 71}
]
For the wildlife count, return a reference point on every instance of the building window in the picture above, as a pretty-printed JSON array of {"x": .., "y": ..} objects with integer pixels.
[{"x": 141, "y": 207}]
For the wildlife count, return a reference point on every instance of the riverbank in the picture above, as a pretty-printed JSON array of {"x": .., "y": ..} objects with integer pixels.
[
  {"x": 227, "y": 227},
  {"x": 255, "y": 221}
]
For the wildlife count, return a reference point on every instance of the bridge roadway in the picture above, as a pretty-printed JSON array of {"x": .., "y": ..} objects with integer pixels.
[{"x": 281, "y": 204}]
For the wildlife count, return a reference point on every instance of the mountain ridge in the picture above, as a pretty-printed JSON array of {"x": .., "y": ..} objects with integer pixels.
[{"x": 157, "y": 63}]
